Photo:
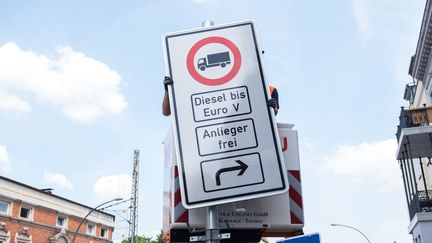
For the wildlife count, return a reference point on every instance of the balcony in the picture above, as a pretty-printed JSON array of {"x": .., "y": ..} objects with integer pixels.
[
  {"x": 421, "y": 202},
  {"x": 415, "y": 131},
  {"x": 414, "y": 118}
]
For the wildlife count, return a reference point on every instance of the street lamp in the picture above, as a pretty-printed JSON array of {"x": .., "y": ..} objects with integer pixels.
[
  {"x": 91, "y": 211},
  {"x": 342, "y": 225}
]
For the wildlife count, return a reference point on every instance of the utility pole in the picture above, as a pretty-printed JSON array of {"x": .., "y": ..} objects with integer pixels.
[{"x": 133, "y": 220}]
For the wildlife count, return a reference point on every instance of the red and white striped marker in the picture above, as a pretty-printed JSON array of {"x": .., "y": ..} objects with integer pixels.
[
  {"x": 295, "y": 193},
  {"x": 181, "y": 214}
]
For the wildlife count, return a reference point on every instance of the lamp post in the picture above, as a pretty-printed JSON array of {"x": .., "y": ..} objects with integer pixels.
[
  {"x": 342, "y": 225},
  {"x": 91, "y": 211}
]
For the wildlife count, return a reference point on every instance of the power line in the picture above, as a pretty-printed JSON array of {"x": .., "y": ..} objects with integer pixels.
[
  {"x": 121, "y": 216},
  {"x": 113, "y": 204}
]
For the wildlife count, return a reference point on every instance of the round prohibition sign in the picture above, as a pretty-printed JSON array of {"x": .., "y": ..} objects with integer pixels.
[{"x": 213, "y": 81}]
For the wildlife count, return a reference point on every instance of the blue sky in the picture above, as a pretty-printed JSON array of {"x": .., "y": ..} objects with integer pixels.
[{"x": 81, "y": 88}]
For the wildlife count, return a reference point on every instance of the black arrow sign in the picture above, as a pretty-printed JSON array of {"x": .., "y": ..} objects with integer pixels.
[{"x": 242, "y": 167}]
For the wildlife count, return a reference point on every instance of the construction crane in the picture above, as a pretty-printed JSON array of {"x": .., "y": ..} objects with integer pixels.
[{"x": 133, "y": 219}]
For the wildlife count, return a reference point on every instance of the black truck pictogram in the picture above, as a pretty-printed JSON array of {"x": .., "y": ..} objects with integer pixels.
[{"x": 212, "y": 60}]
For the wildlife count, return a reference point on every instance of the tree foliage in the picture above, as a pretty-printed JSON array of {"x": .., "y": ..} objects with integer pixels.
[{"x": 145, "y": 239}]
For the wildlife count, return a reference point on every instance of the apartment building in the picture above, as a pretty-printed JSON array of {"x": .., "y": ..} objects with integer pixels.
[
  {"x": 32, "y": 215},
  {"x": 414, "y": 135}
]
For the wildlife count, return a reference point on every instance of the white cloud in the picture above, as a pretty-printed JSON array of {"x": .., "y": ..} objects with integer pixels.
[
  {"x": 84, "y": 88},
  {"x": 372, "y": 162},
  {"x": 306, "y": 143},
  {"x": 12, "y": 103},
  {"x": 109, "y": 187},
  {"x": 57, "y": 180},
  {"x": 4, "y": 160}
]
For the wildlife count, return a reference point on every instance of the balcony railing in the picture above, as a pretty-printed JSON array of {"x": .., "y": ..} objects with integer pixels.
[
  {"x": 420, "y": 203},
  {"x": 414, "y": 118}
]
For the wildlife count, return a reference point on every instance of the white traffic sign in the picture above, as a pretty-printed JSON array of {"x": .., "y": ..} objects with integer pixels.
[{"x": 227, "y": 144}]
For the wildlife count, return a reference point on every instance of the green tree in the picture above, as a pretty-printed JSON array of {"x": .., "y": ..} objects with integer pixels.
[
  {"x": 159, "y": 238},
  {"x": 145, "y": 239},
  {"x": 139, "y": 239}
]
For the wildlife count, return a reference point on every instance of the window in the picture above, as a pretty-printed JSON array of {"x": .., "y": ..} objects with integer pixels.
[
  {"x": 4, "y": 207},
  {"x": 62, "y": 221},
  {"x": 104, "y": 233},
  {"x": 26, "y": 212},
  {"x": 91, "y": 229}
]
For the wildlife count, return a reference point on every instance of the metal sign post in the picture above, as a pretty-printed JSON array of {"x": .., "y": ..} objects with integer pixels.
[
  {"x": 212, "y": 212},
  {"x": 212, "y": 224}
]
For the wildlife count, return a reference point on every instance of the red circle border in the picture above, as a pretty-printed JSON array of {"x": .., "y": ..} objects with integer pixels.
[{"x": 217, "y": 81}]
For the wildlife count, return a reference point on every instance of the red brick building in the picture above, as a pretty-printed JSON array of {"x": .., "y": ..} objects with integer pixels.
[{"x": 31, "y": 215}]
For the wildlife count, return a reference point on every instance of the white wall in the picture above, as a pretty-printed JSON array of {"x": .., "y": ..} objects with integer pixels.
[{"x": 423, "y": 227}]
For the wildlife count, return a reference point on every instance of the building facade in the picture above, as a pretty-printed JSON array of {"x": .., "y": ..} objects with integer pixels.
[
  {"x": 31, "y": 215},
  {"x": 414, "y": 135}
]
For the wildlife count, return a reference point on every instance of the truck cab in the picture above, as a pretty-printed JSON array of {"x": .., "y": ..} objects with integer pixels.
[{"x": 202, "y": 64}]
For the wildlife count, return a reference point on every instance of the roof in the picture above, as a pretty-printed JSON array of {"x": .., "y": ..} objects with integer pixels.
[
  {"x": 53, "y": 195},
  {"x": 424, "y": 44}
]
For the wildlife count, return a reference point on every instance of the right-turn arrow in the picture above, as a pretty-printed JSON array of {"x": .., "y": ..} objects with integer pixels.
[{"x": 242, "y": 167}]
